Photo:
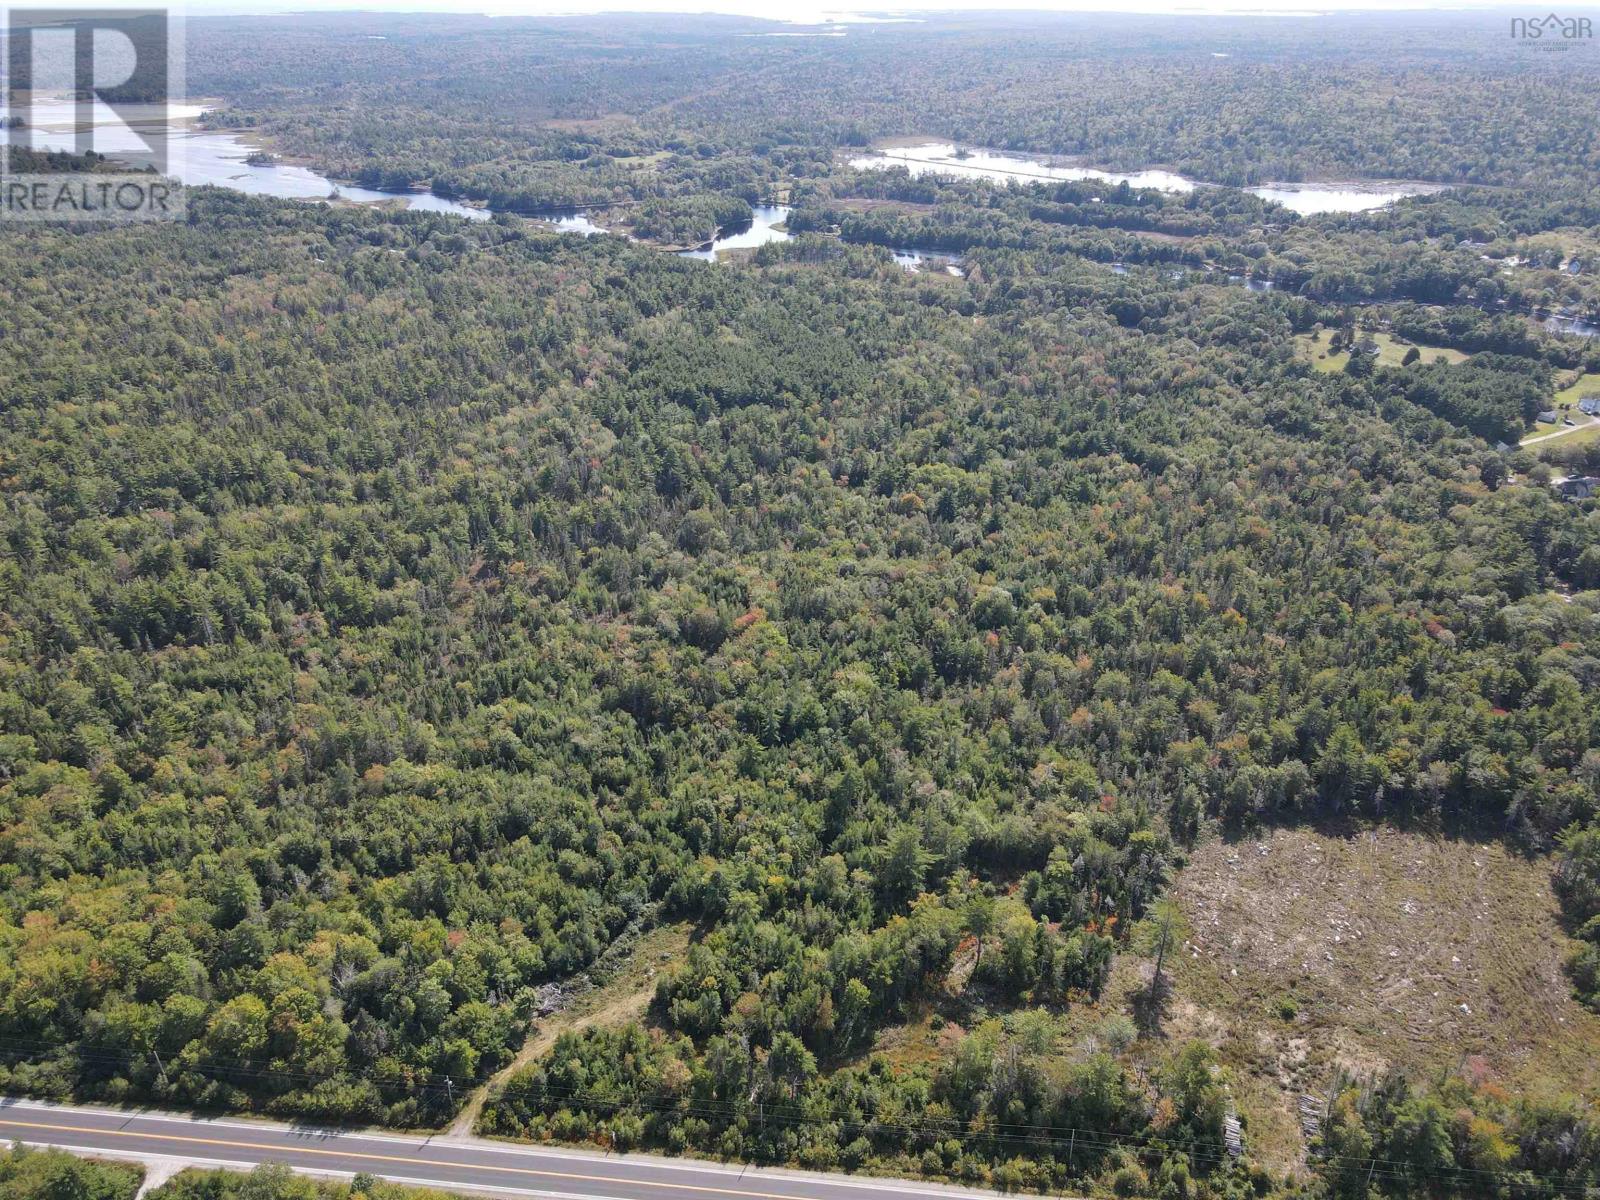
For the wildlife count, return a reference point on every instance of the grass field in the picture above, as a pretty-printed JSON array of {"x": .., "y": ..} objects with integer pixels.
[
  {"x": 872, "y": 204},
  {"x": 1391, "y": 351},
  {"x": 1583, "y": 385},
  {"x": 1572, "y": 439}
]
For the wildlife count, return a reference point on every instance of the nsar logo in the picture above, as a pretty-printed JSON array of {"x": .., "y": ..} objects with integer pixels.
[{"x": 1552, "y": 31}]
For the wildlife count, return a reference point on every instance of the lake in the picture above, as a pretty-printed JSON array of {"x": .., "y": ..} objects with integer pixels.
[
  {"x": 941, "y": 158},
  {"x": 915, "y": 260},
  {"x": 1310, "y": 199},
  {"x": 944, "y": 158},
  {"x": 763, "y": 228},
  {"x": 1573, "y": 326},
  {"x": 570, "y": 220},
  {"x": 1252, "y": 283}
]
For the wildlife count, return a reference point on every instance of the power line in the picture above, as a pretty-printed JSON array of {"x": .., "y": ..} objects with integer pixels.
[
  {"x": 1057, "y": 1136},
  {"x": 1004, "y": 1133}
]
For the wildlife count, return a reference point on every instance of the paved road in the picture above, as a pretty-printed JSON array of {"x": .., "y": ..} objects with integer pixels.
[
  {"x": 164, "y": 1140},
  {"x": 1566, "y": 431}
]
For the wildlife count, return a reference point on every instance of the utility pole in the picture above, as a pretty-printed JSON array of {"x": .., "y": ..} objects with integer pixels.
[{"x": 165, "y": 1082}]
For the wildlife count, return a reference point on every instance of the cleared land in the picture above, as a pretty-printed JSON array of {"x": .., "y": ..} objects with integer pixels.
[
  {"x": 1302, "y": 953},
  {"x": 624, "y": 997},
  {"x": 872, "y": 204},
  {"x": 1391, "y": 351}
]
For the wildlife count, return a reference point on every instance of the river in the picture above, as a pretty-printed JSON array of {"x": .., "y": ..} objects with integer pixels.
[
  {"x": 202, "y": 156},
  {"x": 197, "y": 156},
  {"x": 944, "y": 158},
  {"x": 766, "y": 225}
]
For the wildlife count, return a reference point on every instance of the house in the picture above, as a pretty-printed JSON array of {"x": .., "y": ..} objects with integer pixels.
[
  {"x": 1547, "y": 417},
  {"x": 1590, "y": 405},
  {"x": 1576, "y": 487}
]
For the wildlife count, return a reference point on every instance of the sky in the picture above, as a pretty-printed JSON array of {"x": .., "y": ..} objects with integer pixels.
[{"x": 830, "y": 10}]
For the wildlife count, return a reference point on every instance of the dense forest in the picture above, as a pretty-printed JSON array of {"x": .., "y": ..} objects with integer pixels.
[
  {"x": 615, "y": 108},
  {"x": 398, "y": 612}
]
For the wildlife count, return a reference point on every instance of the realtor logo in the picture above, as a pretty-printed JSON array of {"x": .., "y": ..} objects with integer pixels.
[
  {"x": 1552, "y": 31},
  {"x": 86, "y": 131}
]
